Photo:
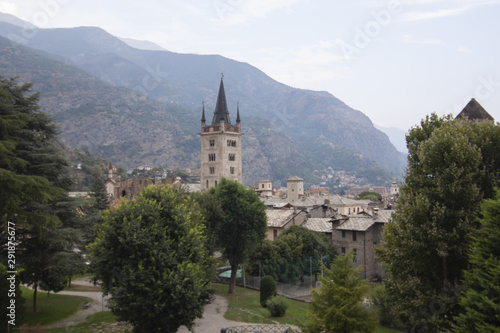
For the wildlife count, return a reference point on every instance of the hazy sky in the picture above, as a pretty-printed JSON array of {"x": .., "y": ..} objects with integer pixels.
[{"x": 396, "y": 60}]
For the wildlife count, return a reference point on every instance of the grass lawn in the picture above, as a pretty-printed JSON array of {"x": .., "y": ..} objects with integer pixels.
[
  {"x": 50, "y": 309},
  {"x": 99, "y": 322},
  {"x": 244, "y": 305}
]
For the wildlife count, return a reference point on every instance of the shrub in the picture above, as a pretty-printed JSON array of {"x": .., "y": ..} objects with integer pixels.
[
  {"x": 277, "y": 306},
  {"x": 267, "y": 289},
  {"x": 384, "y": 303}
]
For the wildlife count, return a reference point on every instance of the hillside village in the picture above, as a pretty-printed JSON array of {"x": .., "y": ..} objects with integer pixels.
[
  {"x": 352, "y": 226},
  {"x": 349, "y": 223}
]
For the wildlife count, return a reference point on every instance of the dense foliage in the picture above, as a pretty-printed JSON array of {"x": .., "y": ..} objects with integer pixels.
[
  {"x": 267, "y": 289},
  {"x": 242, "y": 225},
  {"x": 337, "y": 306},
  {"x": 150, "y": 256},
  {"x": 480, "y": 300},
  {"x": 277, "y": 306},
  {"x": 35, "y": 181},
  {"x": 296, "y": 253},
  {"x": 452, "y": 166}
]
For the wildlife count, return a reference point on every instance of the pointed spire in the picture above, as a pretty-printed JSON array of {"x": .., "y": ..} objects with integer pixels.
[
  {"x": 238, "y": 120},
  {"x": 203, "y": 120},
  {"x": 221, "y": 112},
  {"x": 474, "y": 111}
]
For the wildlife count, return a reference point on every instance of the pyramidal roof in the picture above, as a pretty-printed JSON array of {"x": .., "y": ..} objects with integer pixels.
[
  {"x": 221, "y": 112},
  {"x": 474, "y": 111}
]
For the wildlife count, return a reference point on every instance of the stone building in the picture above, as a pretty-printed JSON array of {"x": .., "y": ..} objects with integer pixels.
[
  {"x": 362, "y": 233},
  {"x": 220, "y": 145},
  {"x": 131, "y": 188},
  {"x": 280, "y": 219},
  {"x": 394, "y": 189},
  {"x": 265, "y": 188},
  {"x": 294, "y": 189}
]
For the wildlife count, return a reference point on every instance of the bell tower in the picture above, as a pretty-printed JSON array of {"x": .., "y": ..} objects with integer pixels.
[{"x": 220, "y": 144}]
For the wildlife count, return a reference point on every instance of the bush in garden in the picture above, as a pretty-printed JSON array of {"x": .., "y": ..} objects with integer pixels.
[
  {"x": 277, "y": 306},
  {"x": 267, "y": 289}
]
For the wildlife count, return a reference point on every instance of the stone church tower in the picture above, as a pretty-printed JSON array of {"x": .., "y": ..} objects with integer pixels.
[{"x": 220, "y": 145}]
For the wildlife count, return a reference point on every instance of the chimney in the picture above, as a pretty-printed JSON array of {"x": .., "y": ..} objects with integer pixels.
[{"x": 375, "y": 212}]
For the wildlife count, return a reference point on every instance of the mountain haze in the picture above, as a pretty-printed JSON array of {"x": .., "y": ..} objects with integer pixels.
[{"x": 288, "y": 130}]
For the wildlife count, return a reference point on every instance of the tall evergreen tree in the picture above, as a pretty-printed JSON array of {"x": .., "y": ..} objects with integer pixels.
[
  {"x": 92, "y": 209},
  {"x": 337, "y": 306},
  {"x": 452, "y": 166},
  {"x": 22, "y": 188},
  {"x": 34, "y": 181},
  {"x": 480, "y": 300}
]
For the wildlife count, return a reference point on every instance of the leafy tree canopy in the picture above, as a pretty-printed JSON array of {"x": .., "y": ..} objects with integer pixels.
[
  {"x": 452, "y": 166},
  {"x": 151, "y": 258},
  {"x": 243, "y": 224},
  {"x": 480, "y": 301}
]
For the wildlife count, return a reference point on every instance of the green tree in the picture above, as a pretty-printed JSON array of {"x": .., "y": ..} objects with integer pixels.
[
  {"x": 452, "y": 166},
  {"x": 369, "y": 195},
  {"x": 243, "y": 224},
  {"x": 92, "y": 208},
  {"x": 23, "y": 187},
  {"x": 212, "y": 212},
  {"x": 263, "y": 260},
  {"x": 267, "y": 289},
  {"x": 151, "y": 258},
  {"x": 290, "y": 264},
  {"x": 99, "y": 195},
  {"x": 34, "y": 181},
  {"x": 315, "y": 248},
  {"x": 337, "y": 306},
  {"x": 480, "y": 301}
]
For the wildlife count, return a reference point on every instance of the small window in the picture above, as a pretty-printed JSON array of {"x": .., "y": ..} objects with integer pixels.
[
  {"x": 343, "y": 233},
  {"x": 355, "y": 255},
  {"x": 262, "y": 185},
  {"x": 212, "y": 170},
  {"x": 207, "y": 183},
  {"x": 354, "y": 236},
  {"x": 275, "y": 234},
  {"x": 342, "y": 250},
  {"x": 211, "y": 157},
  {"x": 212, "y": 143},
  {"x": 231, "y": 169},
  {"x": 215, "y": 183},
  {"x": 232, "y": 157}
]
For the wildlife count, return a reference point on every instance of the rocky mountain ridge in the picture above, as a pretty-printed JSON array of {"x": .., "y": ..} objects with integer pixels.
[{"x": 288, "y": 130}]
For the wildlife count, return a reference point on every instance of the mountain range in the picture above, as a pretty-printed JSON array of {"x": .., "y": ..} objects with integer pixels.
[{"x": 134, "y": 105}]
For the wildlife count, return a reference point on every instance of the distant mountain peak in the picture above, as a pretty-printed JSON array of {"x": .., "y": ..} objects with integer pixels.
[
  {"x": 8, "y": 18},
  {"x": 142, "y": 44}
]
